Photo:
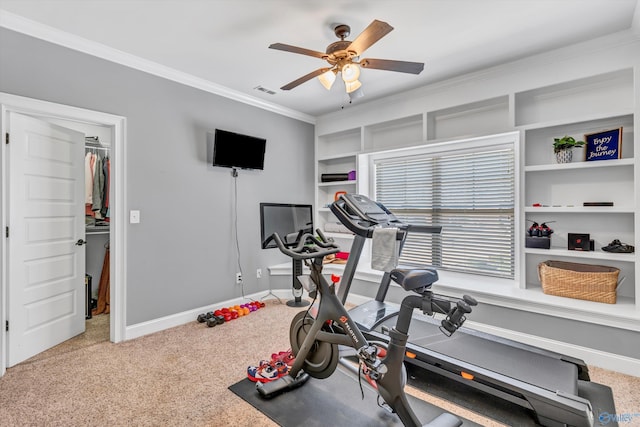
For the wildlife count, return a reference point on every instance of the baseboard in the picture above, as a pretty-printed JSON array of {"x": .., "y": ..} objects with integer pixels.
[{"x": 162, "y": 323}]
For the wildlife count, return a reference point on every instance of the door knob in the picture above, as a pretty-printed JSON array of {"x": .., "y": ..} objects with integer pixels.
[{"x": 80, "y": 242}]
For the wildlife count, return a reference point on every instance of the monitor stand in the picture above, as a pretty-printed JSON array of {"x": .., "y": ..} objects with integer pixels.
[{"x": 296, "y": 270}]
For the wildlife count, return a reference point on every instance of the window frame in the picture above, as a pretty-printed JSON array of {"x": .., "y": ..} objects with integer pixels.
[{"x": 367, "y": 182}]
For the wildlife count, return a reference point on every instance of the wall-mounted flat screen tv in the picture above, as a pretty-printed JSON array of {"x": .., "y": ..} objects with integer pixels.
[
  {"x": 290, "y": 221},
  {"x": 234, "y": 150}
]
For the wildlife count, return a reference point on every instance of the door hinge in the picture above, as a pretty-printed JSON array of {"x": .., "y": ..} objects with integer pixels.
[
  {"x": 6, "y": 138},
  {"x": 6, "y": 232},
  {"x": 6, "y": 327}
]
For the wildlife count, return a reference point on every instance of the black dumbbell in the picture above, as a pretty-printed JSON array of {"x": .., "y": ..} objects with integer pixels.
[
  {"x": 203, "y": 317},
  {"x": 210, "y": 319}
]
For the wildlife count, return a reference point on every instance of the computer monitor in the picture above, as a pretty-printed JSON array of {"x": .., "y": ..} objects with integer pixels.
[{"x": 290, "y": 221}]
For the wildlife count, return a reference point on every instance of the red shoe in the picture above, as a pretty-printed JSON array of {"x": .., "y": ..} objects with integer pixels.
[
  {"x": 285, "y": 357},
  {"x": 266, "y": 372}
]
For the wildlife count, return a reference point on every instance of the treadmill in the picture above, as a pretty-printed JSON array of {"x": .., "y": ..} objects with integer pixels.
[{"x": 555, "y": 387}]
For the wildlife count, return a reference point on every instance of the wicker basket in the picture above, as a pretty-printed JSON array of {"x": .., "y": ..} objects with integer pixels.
[{"x": 581, "y": 281}]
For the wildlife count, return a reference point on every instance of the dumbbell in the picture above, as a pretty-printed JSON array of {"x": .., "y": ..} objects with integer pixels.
[
  {"x": 228, "y": 313},
  {"x": 203, "y": 317},
  {"x": 211, "y": 319}
]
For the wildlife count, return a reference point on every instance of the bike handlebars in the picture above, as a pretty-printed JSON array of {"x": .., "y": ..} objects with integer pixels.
[{"x": 308, "y": 246}]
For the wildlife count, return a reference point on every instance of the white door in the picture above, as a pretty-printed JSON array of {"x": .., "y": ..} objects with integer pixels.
[{"x": 46, "y": 236}]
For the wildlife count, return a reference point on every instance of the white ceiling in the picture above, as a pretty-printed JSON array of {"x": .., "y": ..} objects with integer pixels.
[{"x": 226, "y": 41}]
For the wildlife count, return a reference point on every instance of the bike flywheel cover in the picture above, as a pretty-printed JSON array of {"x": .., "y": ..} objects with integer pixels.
[{"x": 322, "y": 359}]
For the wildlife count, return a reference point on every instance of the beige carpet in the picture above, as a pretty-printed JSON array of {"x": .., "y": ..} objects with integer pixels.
[
  {"x": 177, "y": 377},
  {"x": 96, "y": 332}
]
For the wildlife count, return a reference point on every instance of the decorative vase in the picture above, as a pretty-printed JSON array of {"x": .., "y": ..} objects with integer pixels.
[{"x": 564, "y": 156}]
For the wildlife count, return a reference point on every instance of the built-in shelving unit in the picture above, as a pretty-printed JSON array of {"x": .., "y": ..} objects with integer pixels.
[
  {"x": 575, "y": 107},
  {"x": 335, "y": 153}
]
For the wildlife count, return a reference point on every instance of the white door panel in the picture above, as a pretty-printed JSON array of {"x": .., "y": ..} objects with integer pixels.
[{"x": 46, "y": 219}]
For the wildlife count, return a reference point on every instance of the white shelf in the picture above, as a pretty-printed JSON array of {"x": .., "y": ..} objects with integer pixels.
[
  {"x": 595, "y": 255},
  {"x": 623, "y": 310},
  {"x": 579, "y": 165},
  {"x": 580, "y": 209},
  {"x": 337, "y": 157},
  {"x": 334, "y": 183},
  {"x": 580, "y": 119}
]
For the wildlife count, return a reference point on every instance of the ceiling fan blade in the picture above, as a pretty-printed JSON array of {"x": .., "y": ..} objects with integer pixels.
[
  {"x": 374, "y": 32},
  {"x": 389, "y": 65},
  {"x": 305, "y": 78},
  {"x": 300, "y": 50}
]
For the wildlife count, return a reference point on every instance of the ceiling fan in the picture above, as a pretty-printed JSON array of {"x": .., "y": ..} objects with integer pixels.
[{"x": 344, "y": 57}]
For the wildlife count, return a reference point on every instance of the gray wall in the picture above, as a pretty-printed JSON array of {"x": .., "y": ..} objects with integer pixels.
[{"x": 182, "y": 255}]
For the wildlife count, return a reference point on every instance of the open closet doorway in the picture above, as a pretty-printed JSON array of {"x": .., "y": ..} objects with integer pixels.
[{"x": 97, "y": 246}]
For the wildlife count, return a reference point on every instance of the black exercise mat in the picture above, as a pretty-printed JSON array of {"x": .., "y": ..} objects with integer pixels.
[{"x": 335, "y": 401}]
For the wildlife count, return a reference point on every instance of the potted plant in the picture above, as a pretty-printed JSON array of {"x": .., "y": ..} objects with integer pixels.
[{"x": 562, "y": 147}]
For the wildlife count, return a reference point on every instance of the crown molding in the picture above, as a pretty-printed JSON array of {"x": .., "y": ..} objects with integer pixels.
[{"x": 49, "y": 34}]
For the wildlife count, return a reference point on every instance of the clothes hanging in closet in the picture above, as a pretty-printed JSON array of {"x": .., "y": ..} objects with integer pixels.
[
  {"x": 104, "y": 293},
  {"x": 97, "y": 174}
]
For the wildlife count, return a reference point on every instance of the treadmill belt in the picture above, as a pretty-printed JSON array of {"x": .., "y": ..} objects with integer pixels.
[{"x": 530, "y": 367}]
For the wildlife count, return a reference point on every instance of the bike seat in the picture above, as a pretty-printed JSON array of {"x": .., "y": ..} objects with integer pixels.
[{"x": 414, "y": 279}]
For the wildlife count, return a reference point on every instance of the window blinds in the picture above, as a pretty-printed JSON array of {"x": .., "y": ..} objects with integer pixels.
[{"x": 470, "y": 194}]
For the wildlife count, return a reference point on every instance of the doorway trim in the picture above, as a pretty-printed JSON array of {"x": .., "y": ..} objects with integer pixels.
[{"x": 117, "y": 234}]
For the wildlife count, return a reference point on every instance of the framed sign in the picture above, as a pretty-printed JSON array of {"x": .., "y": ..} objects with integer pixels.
[{"x": 604, "y": 145}]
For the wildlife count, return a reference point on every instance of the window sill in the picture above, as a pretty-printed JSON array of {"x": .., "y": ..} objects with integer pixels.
[{"x": 506, "y": 293}]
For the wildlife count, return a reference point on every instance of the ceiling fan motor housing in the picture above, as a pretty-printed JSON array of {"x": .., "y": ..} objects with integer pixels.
[
  {"x": 342, "y": 31},
  {"x": 337, "y": 52}
]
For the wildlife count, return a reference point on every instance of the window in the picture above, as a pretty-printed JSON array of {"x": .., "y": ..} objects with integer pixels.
[{"x": 468, "y": 189}]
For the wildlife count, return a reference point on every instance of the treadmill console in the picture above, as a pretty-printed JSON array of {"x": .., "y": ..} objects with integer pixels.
[
  {"x": 366, "y": 208},
  {"x": 361, "y": 214}
]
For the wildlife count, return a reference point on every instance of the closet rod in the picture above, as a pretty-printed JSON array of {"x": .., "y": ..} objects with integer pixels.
[
  {"x": 93, "y": 142},
  {"x": 96, "y": 147}
]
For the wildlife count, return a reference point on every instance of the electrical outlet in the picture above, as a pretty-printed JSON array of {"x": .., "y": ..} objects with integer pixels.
[
  {"x": 238, "y": 278},
  {"x": 259, "y": 273}
]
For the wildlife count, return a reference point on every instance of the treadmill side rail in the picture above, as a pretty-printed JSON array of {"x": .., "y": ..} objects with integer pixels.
[{"x": 572, "y": 410}]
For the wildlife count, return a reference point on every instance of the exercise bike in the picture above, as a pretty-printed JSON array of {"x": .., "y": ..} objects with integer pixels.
[{"x": 315, "y": 341}]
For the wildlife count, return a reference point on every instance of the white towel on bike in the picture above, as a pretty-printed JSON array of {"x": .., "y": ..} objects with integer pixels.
[{"x": 384, "y": 249}]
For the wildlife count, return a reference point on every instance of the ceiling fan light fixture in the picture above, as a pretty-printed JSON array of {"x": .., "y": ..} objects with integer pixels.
[
  {"x": 327, "y": 79},
  {"x": 358, "y": 93},
  {"x": 350, "y": 72},
  {"x": 352, "y": 86}
]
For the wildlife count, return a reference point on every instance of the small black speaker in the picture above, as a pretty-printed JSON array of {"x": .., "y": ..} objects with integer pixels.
[{"x": 579, "y": 242}]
